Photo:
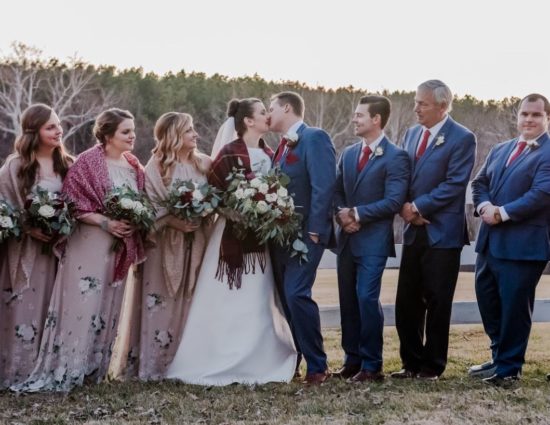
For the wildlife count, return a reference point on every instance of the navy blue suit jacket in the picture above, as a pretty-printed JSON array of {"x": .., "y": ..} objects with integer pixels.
[
  {"x": 523, "y": 189},
  {"x": 311, "y": 166},
  {"x": 378, "y": 192},
  {"x": 438, "y": 183}
]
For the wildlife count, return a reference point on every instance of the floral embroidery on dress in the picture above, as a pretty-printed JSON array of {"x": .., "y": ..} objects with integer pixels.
[
  {"x": 51, "y": 319},
  {"x": 25, "y": 332},
  {"x": 98, "y": 324},
  {"x": 164, "y": 338},
  {"x": 89, "y": 284},
  {"x": 155, "y": 300}
]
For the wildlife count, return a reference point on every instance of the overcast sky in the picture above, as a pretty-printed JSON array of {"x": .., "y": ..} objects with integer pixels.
[{"x": 487, "y": 48}]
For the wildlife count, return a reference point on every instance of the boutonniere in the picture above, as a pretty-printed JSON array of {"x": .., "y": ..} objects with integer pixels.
[
  {"x": 440, "y": 140},
  {"x": 291, "y": 139},
  {"x": 291, "y": 158},
  {"x": 379, "y": 151},
  {"x": 533, "y": 144}
]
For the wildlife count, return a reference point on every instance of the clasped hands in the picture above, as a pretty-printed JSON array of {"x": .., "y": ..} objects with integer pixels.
[
  {"x": 490, "y": 214},
  {"x": 411, "y": 215},
  {"x": 346, "y": 218}
]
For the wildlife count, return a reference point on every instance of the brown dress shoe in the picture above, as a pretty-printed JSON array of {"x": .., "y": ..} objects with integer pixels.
[
  {"x": 403, "y": 374},
  {"x": 367, "y": 376},
  {"x": 316, "y": 378},
  {"x": 347, "y": 371}
]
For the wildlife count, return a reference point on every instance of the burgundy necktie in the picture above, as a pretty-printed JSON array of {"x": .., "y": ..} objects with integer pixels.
[
  {"x": 519, "y": 150},
  {"x": 364, "y": 159},
  {"x": 280, "y": 150},
  {"x": 423, "y": 145}
]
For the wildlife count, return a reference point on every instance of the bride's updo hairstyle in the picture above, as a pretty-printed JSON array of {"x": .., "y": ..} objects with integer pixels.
[{"x": 240, "y": 109}]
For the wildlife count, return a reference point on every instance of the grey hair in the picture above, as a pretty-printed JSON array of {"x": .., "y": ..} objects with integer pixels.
[{"x": 442, "y": 93}]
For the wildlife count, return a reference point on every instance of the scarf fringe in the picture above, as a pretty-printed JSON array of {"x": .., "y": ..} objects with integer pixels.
[{"x": 235, "y": 274}]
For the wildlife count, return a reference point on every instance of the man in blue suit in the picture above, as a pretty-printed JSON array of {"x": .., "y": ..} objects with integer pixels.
[
  {"x": 306, "y": 154},
  {"x": 371, "y": 187},
  {"x": 512, "y": 196},
  {"x": 442, "y": 155}
]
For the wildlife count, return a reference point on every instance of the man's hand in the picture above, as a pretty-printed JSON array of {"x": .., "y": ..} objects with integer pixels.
[
  {"x": 419, "y": 221},
  {"x": 314, "y": 238},
  {"x": 490, "y": 214},
  {"x": 352, "y": 227},
  {"x": 408, "y": 213},
  {"x": 344, "y": 217}
]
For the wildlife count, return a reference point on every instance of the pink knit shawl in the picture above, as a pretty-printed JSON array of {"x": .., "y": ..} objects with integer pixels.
[{"x": 87, "y": 184}]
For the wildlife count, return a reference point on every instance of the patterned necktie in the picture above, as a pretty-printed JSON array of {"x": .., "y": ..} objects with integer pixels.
[
  {"x": 423, "y": 145},
  {"x": 364, "y": 158},
  {"x": 281, "y": 150},
  {"x": 519, "y": 150}
]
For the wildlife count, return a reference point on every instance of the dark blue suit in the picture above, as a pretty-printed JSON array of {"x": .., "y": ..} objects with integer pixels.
[
  {"x": 512, "y": 254},
  {"x": 431, "y": 253},
  {"x": 311, "y": 166},
  {"x": 378, "y": 192}
]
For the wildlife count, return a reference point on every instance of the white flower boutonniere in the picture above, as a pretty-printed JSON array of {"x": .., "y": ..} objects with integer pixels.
[
  {"x": 379, "y": 151},
  {"x": 291, "y": 139},
  {"x": 440, "y": 140},
  {"x": 533, "y": 144}
]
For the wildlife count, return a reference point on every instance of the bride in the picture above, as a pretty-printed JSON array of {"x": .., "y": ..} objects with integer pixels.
[{"x": 236, "y": 331}]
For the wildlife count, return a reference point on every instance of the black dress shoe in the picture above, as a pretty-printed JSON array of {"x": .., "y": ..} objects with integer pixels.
[
  {"x": 347, "y": 371},
  {"x": 501, "y": 381},
  {"x": 367, "y": 376},
  {"x": 483, "y": 370},
  {"x": 403, "y": 374}
]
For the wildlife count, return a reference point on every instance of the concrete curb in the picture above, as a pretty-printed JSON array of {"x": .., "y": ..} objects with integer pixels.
[{"x": 464, "y": 312}]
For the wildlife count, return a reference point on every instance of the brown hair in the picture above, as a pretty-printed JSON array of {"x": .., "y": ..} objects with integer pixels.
[
  {"x": 169, "y": 131},
  {"x": 378, "y": 105},
  {"x": 533, "y": 97},
  {"x": 27, "y": 143},
  {"x": 240, "y": 109},
  {"x": 293, "y": 99},
  {"x": 107, "y": 122}
]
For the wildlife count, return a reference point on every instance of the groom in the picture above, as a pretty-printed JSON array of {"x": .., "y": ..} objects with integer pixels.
[{"x": 307, "y": 156}]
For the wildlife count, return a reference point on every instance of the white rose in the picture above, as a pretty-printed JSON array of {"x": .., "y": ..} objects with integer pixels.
[
  {"x": 183, "y": 189},
  {"x": 127, "y": 204},
  {"x": 138, "y": 206},
  {"x": 197, "y": 195},
  {"x": 6, "y": 222},
  {"x": 248, "y": 193},
  {"x": 282, "y": 192},
  {"x": 264, "y": 188},
  {"x": 291, "y": 202},
  {"x": 271, "y": 197},
  {"x": 262, "y": 207},
  {"x": 281, "y": 202},
  {"x": 239, "y": 193},
  {"x": 255, "y": 182},
  {"x": 46, "y": 211}
]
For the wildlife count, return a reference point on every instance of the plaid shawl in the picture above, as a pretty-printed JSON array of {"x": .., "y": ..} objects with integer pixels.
[
  {"x": 87, "y": 184},
  {"x": 236, "y": 256}
]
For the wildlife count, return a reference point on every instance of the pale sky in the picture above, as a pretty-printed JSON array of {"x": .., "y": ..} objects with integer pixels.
[{"x": 487, "y": 48}]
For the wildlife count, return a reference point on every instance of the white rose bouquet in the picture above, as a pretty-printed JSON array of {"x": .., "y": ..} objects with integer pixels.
[
  {"x": 192, "y": 201},
  {"x": 264, "y": 206},
  {"x": 10, "y": 222},
  {"x": 124, "y": 203},
  {"x": 52, "y": 213}
]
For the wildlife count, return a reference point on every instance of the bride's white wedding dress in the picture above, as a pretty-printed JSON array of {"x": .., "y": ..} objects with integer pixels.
[{"x": 235, "y": 335}]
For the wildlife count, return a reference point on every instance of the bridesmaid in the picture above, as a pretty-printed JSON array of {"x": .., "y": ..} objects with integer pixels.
[
  {"x": 83, "y": 313},
  {"x": 26, "y": 275},
  {"x": 171, "y": 269}
]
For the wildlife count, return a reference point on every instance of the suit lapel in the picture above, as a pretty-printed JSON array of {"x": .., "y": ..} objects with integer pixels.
[
  {"x": 412, "y": 146},
  {"x": 382, "y": 145},
  {"x": 350, "y": 165},
  {"x": 299, "y": 133},
  {"x": 441, "y": 133}
]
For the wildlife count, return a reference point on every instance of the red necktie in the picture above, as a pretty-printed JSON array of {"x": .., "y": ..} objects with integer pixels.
[
  {"x": 423, "y": 145},
  {"x": 280, "y": 150},
  {"x": 364, "y": 158},
  {"x": 519, "y": 150}
]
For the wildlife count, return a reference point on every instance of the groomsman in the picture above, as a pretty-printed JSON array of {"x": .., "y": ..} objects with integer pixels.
[
  {"x": 306, "y": 154},
  {"x": 371, "y": 187},
  {"x": 442, "y": 155},
  {"x": 512, "y": 196}
]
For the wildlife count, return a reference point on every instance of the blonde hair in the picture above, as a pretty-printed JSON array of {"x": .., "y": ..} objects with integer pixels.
[{"x": 169, "y": 131}]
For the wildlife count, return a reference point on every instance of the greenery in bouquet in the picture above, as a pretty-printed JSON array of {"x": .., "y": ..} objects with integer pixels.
[
  {"x": 52, "y": 213},
  {"x": 10, "y": 222},
  {"x": 262, "y": 204},
  {"x": 125, "y": 204}
]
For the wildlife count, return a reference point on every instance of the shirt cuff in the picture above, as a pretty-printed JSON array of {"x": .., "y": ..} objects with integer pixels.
[
  {"x": 415, "y": 209},
  {"x": 356, "y": 214},
  {"x": 313, "y": 233},
  {"x": 503, "y": 214},
  {"x": 480, "y": 206}
]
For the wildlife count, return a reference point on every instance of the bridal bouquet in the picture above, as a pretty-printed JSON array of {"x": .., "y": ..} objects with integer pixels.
[
  {"x": 52, "y": 213},
  {"x": 264, "y": 206},
  {"x": 124, "y": 203},
  {"x": 192, "y": 201},
  {"x": 9, "y": 222}
]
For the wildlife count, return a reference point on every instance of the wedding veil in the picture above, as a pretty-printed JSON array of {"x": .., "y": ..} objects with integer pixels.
[{"x": 226, "y": 134}]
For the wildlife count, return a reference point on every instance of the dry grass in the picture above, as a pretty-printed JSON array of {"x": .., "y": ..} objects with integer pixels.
[{"x": 455, "y": 399}]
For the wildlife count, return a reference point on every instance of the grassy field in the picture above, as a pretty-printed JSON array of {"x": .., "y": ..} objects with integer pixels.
[{"x": 455, "y": 399}]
